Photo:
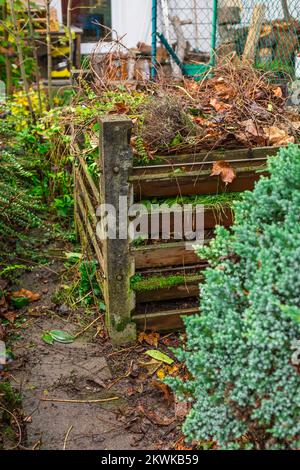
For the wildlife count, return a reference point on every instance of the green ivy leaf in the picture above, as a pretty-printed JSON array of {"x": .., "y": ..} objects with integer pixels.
[
  {"x": 61, "y": 336},
  {"x": 47, "y": 338},
  {"x": 159, "y": 356}
]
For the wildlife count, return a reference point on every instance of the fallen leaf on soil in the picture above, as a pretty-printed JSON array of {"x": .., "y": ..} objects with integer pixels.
[
  {"x": 168, "y": 396},
  {"x": 155, "y": 418},
  {"x": 57, "y": 335},
  {"x": 180, "y": 445},
  {"x": 225, "y": 170},
  {"x": 31, "y": 296},
  {"x": 167, "y": 370},
  {"x": 159, "y": 356},
  {"x": 10, "y": 316},
  {"x": 62, "y": 336},
  {"x": 151, "y": 366},
  {"x": 170, "y": 340},
  {"x": 2, "y": 333},
  {"x": 3, "y": 302},
  {"x": 131, "y": 391},
  {"x": 120, "y": 108},
  {"x": 149, "y": 338},
  {"x": 182, "y": 408},
  {"x": 47, "y": 338},
  {"x": 278, "y": 136}
]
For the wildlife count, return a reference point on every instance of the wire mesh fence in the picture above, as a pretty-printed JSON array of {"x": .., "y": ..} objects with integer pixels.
[{"x": 266, "y": 32}]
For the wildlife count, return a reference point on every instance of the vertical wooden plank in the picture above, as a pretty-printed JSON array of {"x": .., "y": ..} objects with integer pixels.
[
  {"x": 254, "y": 32},
  {"x": 116, "y": 165}
]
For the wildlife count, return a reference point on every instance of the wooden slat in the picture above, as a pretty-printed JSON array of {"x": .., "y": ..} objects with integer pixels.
[
  {"x": 89, "y": 251},
  {"x": 179, "y": 269},
  {"x": 91, "y": 233},
  {"x": 81, "y": 231},
  {"x": 82, "y": 191},
  {"x": 83, "y": 166},
  {"x": 211, "y": 156},
  {"x": 168, "y": 320},
  {"x": 191, "y": 183},
  {"x": 164, "y": 254},
  {"x": 212, "y": 216},
  {"x": 182, "y": 291},
  {"x": 194, "y": 166}
]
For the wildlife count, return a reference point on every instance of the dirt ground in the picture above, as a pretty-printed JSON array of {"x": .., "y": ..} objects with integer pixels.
[{"x": 85, "y": 395}]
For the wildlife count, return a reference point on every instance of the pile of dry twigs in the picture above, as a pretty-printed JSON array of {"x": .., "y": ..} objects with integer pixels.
[
  {"x": 234, "y": 106},
  {"x": 237, "y": 107}
]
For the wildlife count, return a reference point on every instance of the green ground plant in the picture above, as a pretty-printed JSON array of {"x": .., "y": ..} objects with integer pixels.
[
  {"x": 19, "y": 208},
  {"x": 216, "y": 201},
  {"x": 242, "y": 351}
]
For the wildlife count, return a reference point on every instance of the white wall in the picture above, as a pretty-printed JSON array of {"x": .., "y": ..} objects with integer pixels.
[
  {"x": 57, "y": 5},
  {"x": 132, "y": 18}
]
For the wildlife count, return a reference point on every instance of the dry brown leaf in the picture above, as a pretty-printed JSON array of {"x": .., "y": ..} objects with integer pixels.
[
  {"x": 2, "y": 333},
  {"x": 278, "y": 136},
  {"x": 180, "y": 445},
  {"x": 31, "y": 296},
  {"x": 131, "y": 391},
  {"x": 219, "y": 106},
  {"x": 10, "y": 316},
  {"x": 155, "y": 418},
  {"x": 252, "y": 132},
  {"x": 250, "y": 127},
  {"x": 225, "y": 170},
  {"x": 120, "y": 108},
  {"x": 296, "y": 125},
  {"x": 168, "y": 396},
  {"x": 182, "y": 408},
  {"x": 2, "y": 301},
  {"x": 278, "y": 92},
  {"x": 151, "y": 366},
  {"x": 224, "y": 90},
  {"x": 204, "y": 122},
  {"x": 149, "y": 338},
  {"x": 242, "y": 138}
]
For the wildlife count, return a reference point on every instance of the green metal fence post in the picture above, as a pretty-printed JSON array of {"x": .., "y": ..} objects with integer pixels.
[
  {"x": 214, "y": 33},
  {"x": 154, "y": 39}
]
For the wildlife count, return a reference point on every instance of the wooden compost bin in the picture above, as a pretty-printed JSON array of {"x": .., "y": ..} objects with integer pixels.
[{"x": 119, "y": 260}]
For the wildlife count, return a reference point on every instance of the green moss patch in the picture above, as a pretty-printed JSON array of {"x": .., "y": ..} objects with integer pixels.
[{"x": 140, "y": 283}]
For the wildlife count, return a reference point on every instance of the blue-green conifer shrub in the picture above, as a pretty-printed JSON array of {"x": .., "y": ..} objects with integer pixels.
[{"x": 243, "y": 349}]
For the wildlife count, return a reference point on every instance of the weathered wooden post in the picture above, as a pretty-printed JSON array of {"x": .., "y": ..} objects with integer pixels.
[{"x": 116, "y": 192}]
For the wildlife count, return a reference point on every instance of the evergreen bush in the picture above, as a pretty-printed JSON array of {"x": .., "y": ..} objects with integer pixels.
[{"x": 242, "y": 351}]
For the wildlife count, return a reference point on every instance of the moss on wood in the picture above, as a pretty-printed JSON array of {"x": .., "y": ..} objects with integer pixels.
[{"x": 142, "y": 284}]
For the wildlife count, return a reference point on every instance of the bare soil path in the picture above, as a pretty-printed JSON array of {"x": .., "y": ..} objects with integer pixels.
[{"x": 136, "y": 414}]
